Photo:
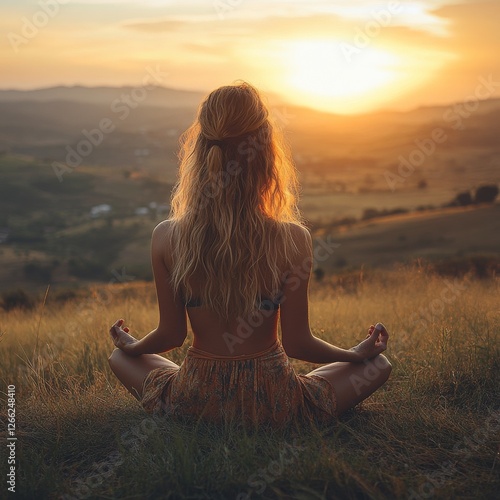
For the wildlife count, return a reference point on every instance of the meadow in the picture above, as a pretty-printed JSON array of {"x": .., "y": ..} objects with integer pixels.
[{"x": 431, "y": 432}]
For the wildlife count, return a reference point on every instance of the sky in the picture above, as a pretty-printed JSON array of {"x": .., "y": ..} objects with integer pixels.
[{"x": 337, "y": 56}]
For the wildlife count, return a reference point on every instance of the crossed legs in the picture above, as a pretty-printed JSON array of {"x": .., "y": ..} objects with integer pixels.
[
  {"x": 354, "y": 382},
  {"x": 351, "y": 382},
  {"x": 132, "y": 371}
]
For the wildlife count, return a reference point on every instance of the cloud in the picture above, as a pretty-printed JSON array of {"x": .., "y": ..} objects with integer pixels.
[
  {"x": 474, "y": 26},
  {"x": 449, "y": 43},
  {"x": 474, "y": 41}
]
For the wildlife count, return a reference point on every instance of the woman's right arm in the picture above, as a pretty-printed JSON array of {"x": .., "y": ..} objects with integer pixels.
[
  {"x": 297, "y": 339},
  {"x": 172, "y": 326}
]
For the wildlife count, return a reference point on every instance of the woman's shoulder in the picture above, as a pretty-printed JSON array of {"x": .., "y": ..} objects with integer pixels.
[
  {"x": 163, "y": 227},
  {"x": 300, "y": 234},
  {"x": 161, "y": 233}
]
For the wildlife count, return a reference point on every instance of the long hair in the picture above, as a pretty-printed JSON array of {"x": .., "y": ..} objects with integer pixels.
[{"x": 233, "y": 204}]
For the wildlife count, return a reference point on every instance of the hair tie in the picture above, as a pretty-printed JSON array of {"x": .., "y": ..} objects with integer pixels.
[{"x": 214, "y": 142}]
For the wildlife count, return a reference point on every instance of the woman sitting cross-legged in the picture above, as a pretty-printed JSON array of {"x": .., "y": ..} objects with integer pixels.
[{"x": 235, "y": 258}]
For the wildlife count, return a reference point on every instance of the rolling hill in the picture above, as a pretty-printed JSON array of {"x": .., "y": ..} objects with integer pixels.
[
  {"x": 345, "y": 164},
  {"x": 454, "y": 233}
]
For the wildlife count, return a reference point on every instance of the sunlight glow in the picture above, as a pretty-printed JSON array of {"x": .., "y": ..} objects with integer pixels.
[{"x": 328, "y": 73}]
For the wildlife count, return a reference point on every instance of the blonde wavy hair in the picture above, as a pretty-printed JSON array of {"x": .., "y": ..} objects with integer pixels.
[{"x": 233, "y": 204}]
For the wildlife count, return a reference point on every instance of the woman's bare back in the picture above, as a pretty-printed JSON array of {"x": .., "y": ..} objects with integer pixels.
[{"x": 238, "y": 336}]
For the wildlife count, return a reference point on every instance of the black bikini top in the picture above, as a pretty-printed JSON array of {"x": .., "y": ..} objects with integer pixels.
[{"x": 265, "y": 304}]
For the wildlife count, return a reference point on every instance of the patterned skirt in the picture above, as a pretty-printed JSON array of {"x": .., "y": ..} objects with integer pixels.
[{"x": 257, "y": 389}]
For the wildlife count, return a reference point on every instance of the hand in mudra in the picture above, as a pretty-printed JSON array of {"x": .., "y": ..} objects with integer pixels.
[
  {"x": 374, "y": 344},
  {"x": 121, "y": 337}
]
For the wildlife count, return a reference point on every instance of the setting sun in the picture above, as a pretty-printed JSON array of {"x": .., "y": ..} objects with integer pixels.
[{"x": 334, "y": 76}]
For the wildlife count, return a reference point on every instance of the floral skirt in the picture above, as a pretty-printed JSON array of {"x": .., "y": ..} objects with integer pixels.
[{"x": 257, "y": 389}]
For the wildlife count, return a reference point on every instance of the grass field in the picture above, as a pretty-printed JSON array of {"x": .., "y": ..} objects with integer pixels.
[
  {"x": 434, "y": 234},
  {"x": 431, "y": 432},
  {"x": 51, "y": 236}
]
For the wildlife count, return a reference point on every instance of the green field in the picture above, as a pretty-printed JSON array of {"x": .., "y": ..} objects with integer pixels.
[
  {"x": 456, "y": 234},
  {"x": 53, "y": 238},
  {"x": 431, "y": 432}
]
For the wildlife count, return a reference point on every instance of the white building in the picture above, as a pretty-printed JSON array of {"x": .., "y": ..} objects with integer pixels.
[{"x": 99, "y": 210}]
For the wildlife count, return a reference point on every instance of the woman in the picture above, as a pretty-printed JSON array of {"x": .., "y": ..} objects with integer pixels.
[{"x": 235, "y": 258}]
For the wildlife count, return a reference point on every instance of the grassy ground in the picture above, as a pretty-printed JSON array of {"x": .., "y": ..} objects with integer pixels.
[
  {"x": 431, "y": 432},
  {"x": 435, "y": 234}
]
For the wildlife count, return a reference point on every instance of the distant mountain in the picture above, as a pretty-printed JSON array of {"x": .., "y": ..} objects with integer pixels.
[
  {"x": 64, "y": 150},
  {"x": 169, "y": 97},
  {"x": 154, "y": 96},
  {"x": 146, "y": 125}
]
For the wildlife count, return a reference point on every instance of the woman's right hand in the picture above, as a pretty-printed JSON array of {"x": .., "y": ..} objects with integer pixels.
[{"x": 374, "y": 344}]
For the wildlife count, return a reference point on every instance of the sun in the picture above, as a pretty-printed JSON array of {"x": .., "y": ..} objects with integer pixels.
[{"x": 336, "y": 76}]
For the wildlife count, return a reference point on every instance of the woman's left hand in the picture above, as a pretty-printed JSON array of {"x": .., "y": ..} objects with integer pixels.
[
  {"x": 374, "y": 344},
  {"x": 122, "y": 339}
]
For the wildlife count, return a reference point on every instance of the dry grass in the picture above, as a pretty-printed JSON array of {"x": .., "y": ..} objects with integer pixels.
[{"x": 433, "y": 431}]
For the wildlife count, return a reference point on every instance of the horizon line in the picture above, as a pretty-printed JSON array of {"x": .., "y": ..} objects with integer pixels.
[{"x": 285, "y": 101}]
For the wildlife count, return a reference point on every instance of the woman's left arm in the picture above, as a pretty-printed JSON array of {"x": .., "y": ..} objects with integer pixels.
[{"x": 172, "y": 327}]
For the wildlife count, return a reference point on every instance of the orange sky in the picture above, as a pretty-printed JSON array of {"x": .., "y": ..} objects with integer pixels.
[{"x": 339, "y": 56}]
